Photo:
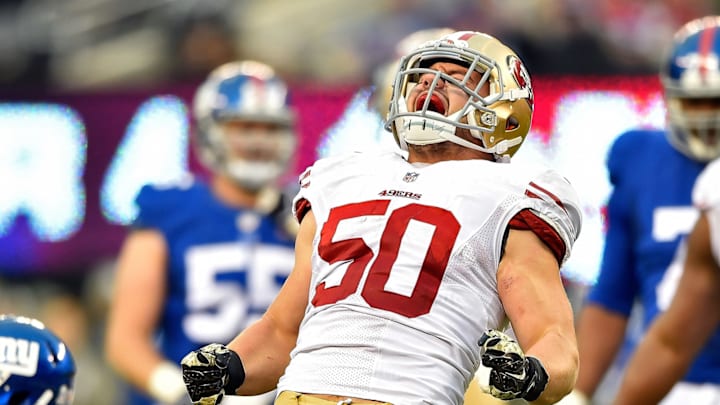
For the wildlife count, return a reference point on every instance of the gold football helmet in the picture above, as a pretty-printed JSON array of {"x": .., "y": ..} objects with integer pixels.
[
  {"x": 500, "y": 120},
  {"x": 384, "y": 76}
]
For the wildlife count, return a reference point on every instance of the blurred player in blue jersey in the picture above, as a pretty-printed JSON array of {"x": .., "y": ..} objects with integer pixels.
[
  {"x": 678, "y": 334},
  {"x": 650, "y": 211},
  {"x": 36, "y": 368},
  {"x": 205, "y": 258}
]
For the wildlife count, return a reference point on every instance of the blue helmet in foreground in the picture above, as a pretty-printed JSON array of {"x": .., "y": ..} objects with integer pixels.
[
  {"x": 35, "y": 365},
  {"x": 691, "y": 79}
]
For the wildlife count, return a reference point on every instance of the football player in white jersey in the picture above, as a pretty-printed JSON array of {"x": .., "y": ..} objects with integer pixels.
[
  {"x": 366, "y": 114},
  {"x": 407, "y": 269},
  {"x": 678, "y": 334}
]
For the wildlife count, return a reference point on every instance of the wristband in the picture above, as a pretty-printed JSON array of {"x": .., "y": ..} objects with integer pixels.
[
  {"x": 236, "y": 373},
  {"x": 576, "y": 397},
  {"x": 537, "y": 381},
  {"x": 166, "y": 383}
]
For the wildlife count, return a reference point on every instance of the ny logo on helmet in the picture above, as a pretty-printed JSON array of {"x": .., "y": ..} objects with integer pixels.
[{"x": 19, "y": 356}]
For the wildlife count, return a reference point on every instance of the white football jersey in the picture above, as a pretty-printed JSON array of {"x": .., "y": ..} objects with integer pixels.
[
  {"x": 706, "y": 197},
  {"x": 404, "y": 271}
]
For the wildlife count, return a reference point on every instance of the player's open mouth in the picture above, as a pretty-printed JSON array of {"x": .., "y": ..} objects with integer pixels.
[{"x": 436, "y": 104}]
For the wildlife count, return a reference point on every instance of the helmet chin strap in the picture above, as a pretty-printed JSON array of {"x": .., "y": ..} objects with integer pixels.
[
  {"x": 434, "y": 128},
  {"x": 702, "y": 151},
  {"x": 425, "y": 131},
  {"x": 419, "y": 130},
  {"x": 253, "y": 175},
  {"x": 503, "y": 146}
]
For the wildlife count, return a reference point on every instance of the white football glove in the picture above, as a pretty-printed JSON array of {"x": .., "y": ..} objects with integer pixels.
[
  {"x": 166, "y": 384},
  {"x": 506, "y": 373},
  {"x": 575, "y": 398},
  {"x": 210, "y": 372}
]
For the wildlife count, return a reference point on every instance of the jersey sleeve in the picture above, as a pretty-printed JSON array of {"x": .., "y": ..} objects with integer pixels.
[
  {"x": 554, "y": 202},
  {"x": 706, "y": 197},
  {"x": 308, "y": 183},
  {"x": 301, "y": 203},
  {"x": 706, "y": 193},
  {"x": 162, "y": 205},
  {"x": 324, "y": 174},
  {"x": 617, "y": 285},
  {"x": 150, "y": 204}
]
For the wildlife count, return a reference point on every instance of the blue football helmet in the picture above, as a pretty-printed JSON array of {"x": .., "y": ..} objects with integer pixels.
[
  {"x": 36, "y": 368},
  {"x": 245, "y": 126},
  {"x": 691, "y": 79}
]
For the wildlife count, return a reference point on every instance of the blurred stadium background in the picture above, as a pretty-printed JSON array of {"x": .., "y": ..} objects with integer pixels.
[{"x": 94, "y": 100}]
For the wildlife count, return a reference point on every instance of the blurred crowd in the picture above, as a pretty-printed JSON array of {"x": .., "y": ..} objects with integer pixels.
[{"x": 78, "y": 44}]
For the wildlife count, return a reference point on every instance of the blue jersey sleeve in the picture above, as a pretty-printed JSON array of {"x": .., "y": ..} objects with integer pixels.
[
  {"x": 166, "y": 206},
  {"x": 617, "y": 284},
  {"x": 151, "y": 206}
]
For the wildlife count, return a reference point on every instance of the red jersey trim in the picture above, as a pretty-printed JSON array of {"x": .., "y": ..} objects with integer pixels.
[
  {"x": 527, "y": 220},
  {"x": 550, "y": 195},
  {"x": 302, "y": 207}
]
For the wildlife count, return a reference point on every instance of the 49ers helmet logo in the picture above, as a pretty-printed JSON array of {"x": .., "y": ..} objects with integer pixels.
[{"x": 521, "y": 76}]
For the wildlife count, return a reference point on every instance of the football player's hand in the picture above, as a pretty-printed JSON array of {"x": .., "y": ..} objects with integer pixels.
[
  {"x": 210, "y": 372},
  {"x": 506, "y": 373}
]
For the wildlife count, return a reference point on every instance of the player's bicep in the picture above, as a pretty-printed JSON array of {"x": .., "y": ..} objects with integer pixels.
[
  {"x": 265, "y": 346},
  {"x": 289, "y": 306},
  {"x": 139, "y": 287},
  {"x": 531, "y": 289}
]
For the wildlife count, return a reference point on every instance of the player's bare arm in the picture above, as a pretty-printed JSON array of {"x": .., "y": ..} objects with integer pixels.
[
  {"x": 678, "y": 334},
  {"x": 534, "y": 299},
  {"x": 597, "y": 357},
  {"x": 265, "y": 346},
  {"x": 137, "y": 303}
]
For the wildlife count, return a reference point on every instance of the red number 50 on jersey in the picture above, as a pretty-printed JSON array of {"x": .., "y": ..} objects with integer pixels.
[{"x": 355, "y": 250}]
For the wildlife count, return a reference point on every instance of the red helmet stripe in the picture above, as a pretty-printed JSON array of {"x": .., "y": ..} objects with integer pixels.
[
  {"x": 467, "y": 36},
  {"x": 707, "y": 39}
]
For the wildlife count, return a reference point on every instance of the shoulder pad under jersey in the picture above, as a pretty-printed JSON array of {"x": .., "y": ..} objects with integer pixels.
[{"x": 555, "y": 200}]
